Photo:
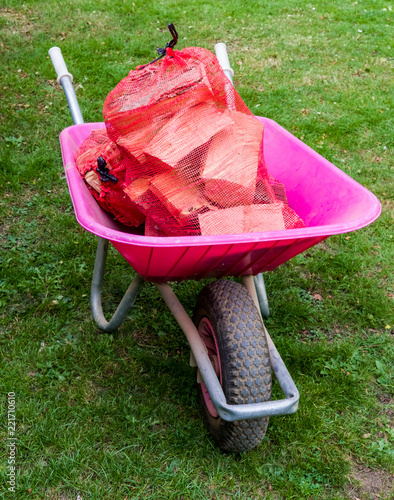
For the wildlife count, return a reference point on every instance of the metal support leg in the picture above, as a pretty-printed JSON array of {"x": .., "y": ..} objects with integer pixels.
[
  {"x": 278, "y": 367},
  {"x": 262, "y": 295},
  {"x": 95, "y": 293}
]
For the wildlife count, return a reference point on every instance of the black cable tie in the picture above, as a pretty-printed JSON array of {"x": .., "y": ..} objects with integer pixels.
[
  {"x": 104, "y": 172},
  {"x": 174, "y": 34},
  {"x": 171, "y": 44}
]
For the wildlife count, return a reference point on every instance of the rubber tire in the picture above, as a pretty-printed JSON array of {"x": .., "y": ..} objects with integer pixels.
[{"x": 244, "y": 359}]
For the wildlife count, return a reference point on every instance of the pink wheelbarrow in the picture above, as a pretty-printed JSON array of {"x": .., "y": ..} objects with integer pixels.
[{"x": 231, "y": 349}]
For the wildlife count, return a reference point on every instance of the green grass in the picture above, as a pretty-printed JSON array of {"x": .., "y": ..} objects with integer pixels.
[{"x": 116, "y": 416}]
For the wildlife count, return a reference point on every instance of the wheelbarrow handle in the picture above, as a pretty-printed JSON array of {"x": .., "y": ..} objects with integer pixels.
[
  {"x": 59, "y": 64},
  {"x": 222, "y": 57},
  {"x": 65, "y": 79}
]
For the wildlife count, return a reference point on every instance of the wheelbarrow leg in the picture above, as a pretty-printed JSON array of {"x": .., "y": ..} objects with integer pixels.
[
  {"x": 95, "y": 293},
  {"x": 261, "y": 294}
]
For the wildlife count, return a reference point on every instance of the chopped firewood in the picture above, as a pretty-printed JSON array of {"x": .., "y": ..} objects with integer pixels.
[
  {"x": 230, "y": 169},
  {"x": 280, "y": 192},
  {"x": 278, "y": 189},
  {"x": 179, "y": 198},
  {"x": 137, "y": 189},
  {"x": 155, "y": 97},
  {"x": 243, "y": 219},
  {"x": 93, "y": 180},
  {"x": 186, "y": 131}
]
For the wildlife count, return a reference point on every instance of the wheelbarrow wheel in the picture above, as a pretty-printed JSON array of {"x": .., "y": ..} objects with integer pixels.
[{"x": 230, "y": 326}]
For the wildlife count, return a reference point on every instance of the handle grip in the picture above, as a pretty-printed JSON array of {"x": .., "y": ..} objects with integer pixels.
[
  {"x": 59, "y": 64},
  {"x": 66, "y": 83},
  {"x": 222, "y": 57}
]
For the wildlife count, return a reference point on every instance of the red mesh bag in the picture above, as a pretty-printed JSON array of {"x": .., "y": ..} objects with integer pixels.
[
  {"x": 108, "y": 186},
  {"x": 192, "y": 152}
]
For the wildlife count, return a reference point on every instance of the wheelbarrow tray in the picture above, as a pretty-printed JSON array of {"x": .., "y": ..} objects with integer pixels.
[{"x": 329, "y": 201}]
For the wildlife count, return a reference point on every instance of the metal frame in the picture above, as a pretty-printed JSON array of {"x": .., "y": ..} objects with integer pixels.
[
  {"x": 255, "y": 286},
  {"x": 227, "y": 412},
  {"x": 261, "y": 295},
  {"x": 125, "y": 304},
  {"x": 72, "y": 100}
]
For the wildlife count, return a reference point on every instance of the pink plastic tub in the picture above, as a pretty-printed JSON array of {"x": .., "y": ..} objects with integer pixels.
[{"x": 328, "y": 200}]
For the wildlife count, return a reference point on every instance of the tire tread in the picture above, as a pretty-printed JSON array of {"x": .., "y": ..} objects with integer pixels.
[{"x": 244, "y": 354}]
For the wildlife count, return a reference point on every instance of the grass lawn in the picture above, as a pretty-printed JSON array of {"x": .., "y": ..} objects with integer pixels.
[{"x": 116, "y": 416}]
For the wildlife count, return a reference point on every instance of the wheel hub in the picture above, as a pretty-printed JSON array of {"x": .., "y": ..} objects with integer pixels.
[{"x": 207, "y": 334}]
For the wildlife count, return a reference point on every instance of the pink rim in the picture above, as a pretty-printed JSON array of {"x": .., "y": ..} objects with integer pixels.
[{"x": 206, "y": 331}]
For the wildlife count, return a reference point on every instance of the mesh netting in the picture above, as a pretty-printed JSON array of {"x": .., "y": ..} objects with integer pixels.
[
  {"x": 110, "y": 193},
  {"x": 186, "y": 153}
]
